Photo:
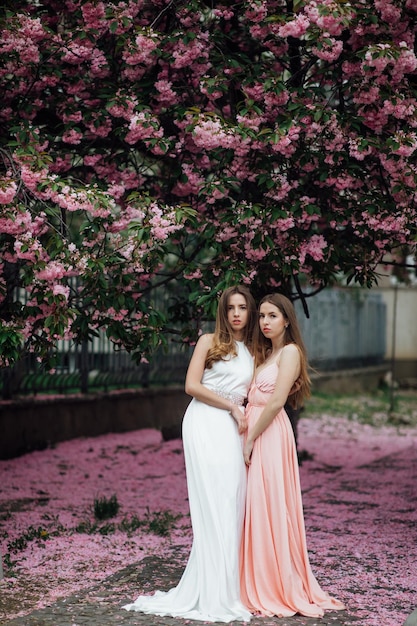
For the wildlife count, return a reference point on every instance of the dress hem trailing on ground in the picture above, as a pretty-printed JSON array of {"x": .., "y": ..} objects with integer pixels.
[{"x": 276, "y": 577}]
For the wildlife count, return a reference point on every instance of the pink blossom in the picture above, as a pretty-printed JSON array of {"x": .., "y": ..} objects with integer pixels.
[
  {"x": 185, "y": 54},
  {"x": 284, "y": 223},
  {"x": 281, "y": 188},
  {"x": 251, "y": 121},
  {"x": 389, "y": 12},
  {"x": 223, "y": 12},
  {"x": 128, "y": 216},
  {"x": 32, "y": 178},
  {"x": 329, "y": 49},
  {"x": 255, "y": 92},
  {"x": 24, "y": 250},
  {"x": 72, "y": 136},
  {"x": 162, "y": 223},
  {"x": 8, "y": 190},
  {"x": 295, "y": 28},
  {"x": 73, "y": 116},
  {"x": 61, "y": 290},
  {"x": 388, "y": 224},
  {"x": 25, "y": 47},
  {"x": 216, "y": 193},
  {"x": 99, "y": 128},
  {"x": 194, "y": 181},
  {"x": 116, "y": 315},
  {"x": 94, "y": 15},
  {"x": 77, "y": 52},
  {"x": 92, "y": 159},
  {"x": 98, "y": 64},
  {"x": 226, "y": 233},
  {"x": 407, "y": 143},
  {"x": 193, "y": 275},
  {"x": 368, "y": 95},
  {"x": 357, "y": 151},
  {"x": 210, "y": 134},
  {"x": 256, "y": 11},
  {"x": 31, "y": 27},
  {"x": 124, "y": 98},
  {"x": 247, "y": 280},
  {"x": 143, "y": 52},
  {"x": 22, "y": 224},
  {"x": 407, "y": 61},
  {"x": 400, "y": 108},
  {"x": 331, "y": 24},
  {"x": 52, "y": 272},
  {"x": 255, "y": 254},
  {"x": 284, "y": 146},
  {"x": 117, "y": 190},
  {"x": 143, "y": 125},
  {"x": 314, "y": 247},
  {"x": 273, "y": 100},
  {"x": 375, "y": 119},
  {"x": 166, "y": 95}
]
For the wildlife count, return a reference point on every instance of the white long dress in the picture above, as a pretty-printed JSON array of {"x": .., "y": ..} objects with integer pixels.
[{"x": 209, "y": 588}]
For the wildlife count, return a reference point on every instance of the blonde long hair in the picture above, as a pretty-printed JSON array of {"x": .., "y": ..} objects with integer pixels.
[
  {"x": 223, "y": 340},
  {"x": 262, "y": 347}
]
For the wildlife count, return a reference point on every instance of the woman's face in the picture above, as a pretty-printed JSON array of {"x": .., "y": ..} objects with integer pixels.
[
  {"x": 237, "y": 313},
  {"x": 271, "y": 321}
]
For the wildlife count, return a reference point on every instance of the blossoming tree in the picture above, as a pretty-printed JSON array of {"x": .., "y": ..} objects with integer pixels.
[{"x": 189, "y": 145}]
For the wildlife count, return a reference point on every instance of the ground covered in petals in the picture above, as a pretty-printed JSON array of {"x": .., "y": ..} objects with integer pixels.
[{"x": 359, "y": 493}]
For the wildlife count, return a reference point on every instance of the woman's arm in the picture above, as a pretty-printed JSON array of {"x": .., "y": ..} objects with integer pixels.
[
  {"x": 193, "y": 386},
  {"x": 289, "y": 370}
]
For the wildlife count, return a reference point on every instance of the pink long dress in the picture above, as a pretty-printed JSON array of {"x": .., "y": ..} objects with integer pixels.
[{"x": 276, "y": 577}]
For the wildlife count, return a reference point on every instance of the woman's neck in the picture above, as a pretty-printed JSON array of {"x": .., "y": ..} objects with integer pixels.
[{"x": 276, "y": 346}]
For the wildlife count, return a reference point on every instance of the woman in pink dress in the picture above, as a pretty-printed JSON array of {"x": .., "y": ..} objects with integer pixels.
[{"x": 276, "y": 577}]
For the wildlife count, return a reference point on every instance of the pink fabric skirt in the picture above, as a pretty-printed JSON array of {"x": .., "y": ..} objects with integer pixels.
[{"x": 276, "y": 577}]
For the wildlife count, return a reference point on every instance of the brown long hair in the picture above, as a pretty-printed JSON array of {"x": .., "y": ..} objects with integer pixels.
[
  {"x": 262, "y": 347},
  {"x": 223, "y": 341}
]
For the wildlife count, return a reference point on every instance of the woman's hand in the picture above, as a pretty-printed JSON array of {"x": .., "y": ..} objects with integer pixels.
[
  {"x": 239, "y": 417},
  {"x": 247, "y": 451}
]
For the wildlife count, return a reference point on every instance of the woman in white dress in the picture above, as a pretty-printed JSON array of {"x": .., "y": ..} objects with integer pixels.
[{"x": 218, "y": 378}]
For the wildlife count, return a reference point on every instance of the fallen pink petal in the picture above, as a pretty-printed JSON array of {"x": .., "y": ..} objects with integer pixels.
[{"x": 359, "y": 494}]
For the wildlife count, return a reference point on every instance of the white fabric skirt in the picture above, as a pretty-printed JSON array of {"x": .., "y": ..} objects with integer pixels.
[{"x": 209, "y": 588}]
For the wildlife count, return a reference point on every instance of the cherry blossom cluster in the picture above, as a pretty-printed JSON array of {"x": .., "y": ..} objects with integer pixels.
[{"x": 179, "y": 148}]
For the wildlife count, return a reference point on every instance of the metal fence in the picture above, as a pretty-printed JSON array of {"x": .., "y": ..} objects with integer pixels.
[
  {"x": 95, "y": 366},
  {"x": 346, "y": 328}
]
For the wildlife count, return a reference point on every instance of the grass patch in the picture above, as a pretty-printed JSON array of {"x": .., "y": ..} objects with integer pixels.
[
  {"x": 106, "y": 508},
  {"x": 364, "y": 408},
  {"x": 156, "y": 522},
  {"x": 20, "y": 543},
  {"x": 160, "y": 522}
]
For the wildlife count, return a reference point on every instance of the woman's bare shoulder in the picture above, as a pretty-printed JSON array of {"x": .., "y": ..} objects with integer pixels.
[
  {"x": 291, "y": 351},
  {"x": 206, "y": 340},
  {"x": 207, "y": 337},
  {"x": 291, "y": 348}
]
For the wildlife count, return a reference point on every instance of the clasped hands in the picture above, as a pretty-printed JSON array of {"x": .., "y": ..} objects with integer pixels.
[
  {"x": 239, "y": 416},
  {"x": 242, "y": 424}
]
